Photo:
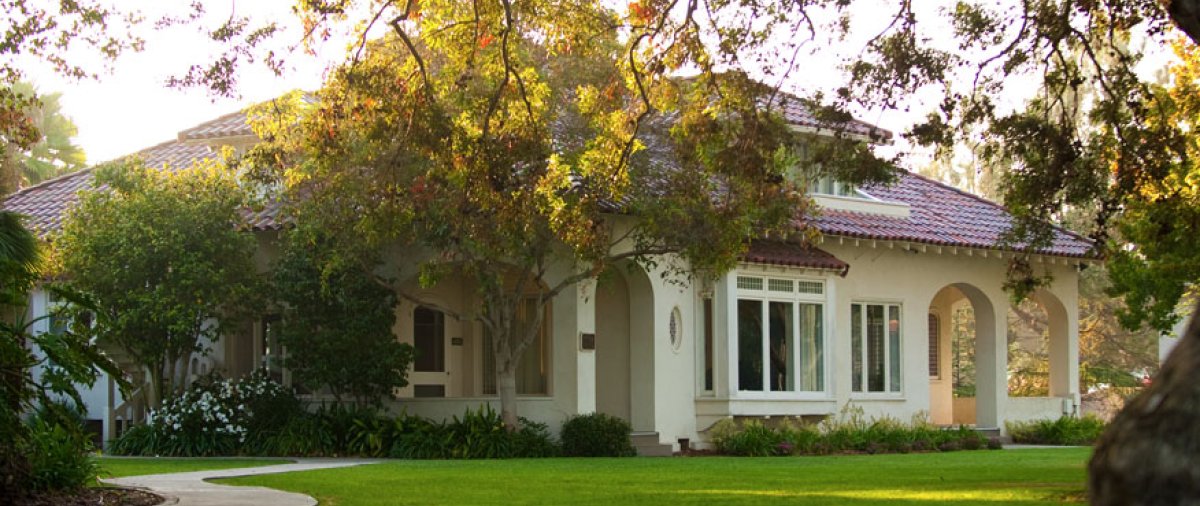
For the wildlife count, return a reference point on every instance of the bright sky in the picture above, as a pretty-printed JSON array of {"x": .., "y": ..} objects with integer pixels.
[{"x": 131, "y": 108}]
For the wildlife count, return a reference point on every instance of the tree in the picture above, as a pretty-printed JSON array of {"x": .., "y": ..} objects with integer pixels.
[
  {"x": 162, "y": 253},
  {"x": 510, "y": 138},
  {"x": 53, "y": 154},
  {"x": 337, "y": 323}
]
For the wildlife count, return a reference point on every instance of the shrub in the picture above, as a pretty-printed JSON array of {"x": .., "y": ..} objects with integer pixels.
[
  {"x": 426, "y": 440},
  {"x": 214, "y": 417},
  {"x": 59, "y": 456},
  {"x": 534, "y": 441},
  {"x": 1066, "y": 430},
  {"x": 850, "y": 431},
  {"x": 596, "y": 435},
  {"x": 479, "y": 435},
  {"x": 755, "y": 440}
]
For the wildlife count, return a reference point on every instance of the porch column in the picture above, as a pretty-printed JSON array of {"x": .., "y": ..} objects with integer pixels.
[
  {"x": 991, "y": 362},
  {"x": 585, "y": 347},
  {"x": 1063, "y": 346}
]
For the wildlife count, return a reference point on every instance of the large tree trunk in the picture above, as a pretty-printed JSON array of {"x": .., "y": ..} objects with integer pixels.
[
  {"x": 1186, "y": 14},
  {"x": 506, "y": 387},
  {"x": 1150, "y": 454},
  {"x": 155, "y": 394}
]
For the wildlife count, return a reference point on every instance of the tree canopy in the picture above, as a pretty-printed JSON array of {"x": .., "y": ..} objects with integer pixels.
[
  {"x": 53, "y": 154},
  {"x": 163, "y": 255}
]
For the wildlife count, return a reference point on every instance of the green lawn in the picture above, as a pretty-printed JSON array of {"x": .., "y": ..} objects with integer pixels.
[
  {"x": 116, "y": 467},
  {"x": 982, "y": 477}
]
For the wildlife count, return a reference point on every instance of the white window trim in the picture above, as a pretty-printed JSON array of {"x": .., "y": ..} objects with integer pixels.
[
  {"x": 887, "y": 394},
  {"x": 765, "y": 295}
]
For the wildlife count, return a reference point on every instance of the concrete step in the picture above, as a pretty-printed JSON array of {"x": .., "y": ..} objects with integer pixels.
[
  {"x": 988, "y": 432},
  {"x": 648, "y": 445}
]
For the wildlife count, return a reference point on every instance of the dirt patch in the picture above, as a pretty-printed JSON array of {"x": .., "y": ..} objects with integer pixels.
[{"x": 94, "y": 497}]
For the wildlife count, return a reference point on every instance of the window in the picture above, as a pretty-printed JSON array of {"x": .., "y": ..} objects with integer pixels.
[
  {"x": 827, "y": 185},
  {"x": 272, "y": 351},
  {"x": 780, "y": 341},
  {"x": 429, "y": 340},
  {"x": 533, "y": 371},
  {"x": 708, "y": 344},
  {"x": 935, "y": 363},
  {"x": 875, "y": 347}
]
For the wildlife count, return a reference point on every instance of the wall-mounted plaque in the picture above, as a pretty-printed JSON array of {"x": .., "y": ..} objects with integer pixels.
[{"x": 587, "y": 341}]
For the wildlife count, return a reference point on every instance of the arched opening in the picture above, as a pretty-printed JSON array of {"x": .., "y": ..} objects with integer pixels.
[
  {"x": 454, "y": 353},
  {"x": 964, "y": 384},
  {"x": 1028, "y": 350},
  {"x": 625, "y": 347}
]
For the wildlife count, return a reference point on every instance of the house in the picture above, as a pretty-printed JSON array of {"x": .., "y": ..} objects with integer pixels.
[{"x": 863, "y": 317}]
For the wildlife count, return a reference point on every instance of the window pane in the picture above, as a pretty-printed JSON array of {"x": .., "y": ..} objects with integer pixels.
[
  {"x": 534, "y": 370},
  {"x": 489, "y": 364},
  {"x": 812, "y": 360},
  {"x": 708, "y": 344},
  {"x": 535, "y": 360},
  {"x": 856, "y": 335},
  {"x": 429, "y": 340},
  {"x": 272, "y": 352},
  {"x": 750, "y": 336},
  {"x": 894, "y": 348},
  {"x": 935, "y": 363},
  {"x": 782, "y": 347},
  {"x": 875, "y": 367}
]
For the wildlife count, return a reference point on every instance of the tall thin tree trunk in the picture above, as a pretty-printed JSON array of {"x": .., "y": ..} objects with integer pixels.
[
  {"x": 155, "y": 395},
  {"x": 1150, "y": 454},
  {"x": 506, "y": 386}
]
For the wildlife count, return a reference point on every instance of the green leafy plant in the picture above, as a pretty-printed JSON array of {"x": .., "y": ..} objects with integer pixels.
[
  {"x": 1066, "y": 430},
  {"x": 337, "y": 321},
  {"x": 596, "y": 435},
  {"x": 59, "y": 456}
]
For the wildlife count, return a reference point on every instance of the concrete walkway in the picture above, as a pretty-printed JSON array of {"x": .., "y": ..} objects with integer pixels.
[{"x": 191, "y": 489}]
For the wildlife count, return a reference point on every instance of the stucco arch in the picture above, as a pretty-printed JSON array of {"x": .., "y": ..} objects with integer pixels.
[
  {"x": 625, "y": 346},
  {"x": 990, "y": 361},
  {"x": 1063, "y": 367}
]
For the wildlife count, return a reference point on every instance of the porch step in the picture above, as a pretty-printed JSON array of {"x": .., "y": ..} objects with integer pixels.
[
  {"x": 988, "y": 432},
  {"x": 647, "y": 445}
]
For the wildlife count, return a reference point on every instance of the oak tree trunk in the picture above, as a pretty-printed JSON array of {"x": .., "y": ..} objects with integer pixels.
[{"x": 1150, "y": 454}]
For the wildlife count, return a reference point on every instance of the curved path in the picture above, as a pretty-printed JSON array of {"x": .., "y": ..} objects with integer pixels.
[{"x": 191, "y": 489}]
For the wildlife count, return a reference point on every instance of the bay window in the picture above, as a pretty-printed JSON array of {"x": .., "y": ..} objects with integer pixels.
[{"x": 780, "y": 335}]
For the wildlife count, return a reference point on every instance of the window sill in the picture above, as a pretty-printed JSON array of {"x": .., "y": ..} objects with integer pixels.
[{"x": 897, "y": 397}]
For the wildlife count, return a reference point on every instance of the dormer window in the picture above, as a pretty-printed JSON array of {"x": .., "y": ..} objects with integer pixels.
[{"x": 827, "y": 185}]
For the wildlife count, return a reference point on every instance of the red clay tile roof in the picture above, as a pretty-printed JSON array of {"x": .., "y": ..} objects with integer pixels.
[
  {"x": 794, "y": 255},
  {"x": 46, "y": 203},
  {"x": 939, "y": 215},
  {"x": 229, "y": 125},
  {"x": 796, "y": 113}
]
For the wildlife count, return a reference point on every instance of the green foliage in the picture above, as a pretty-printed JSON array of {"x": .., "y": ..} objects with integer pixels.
[
  {"x": 512, "y": 136},
  {"x": 66, "y": 359},
  {"x": 753, "y": 440},
  {"x": 186, "y": 270},
  {"x": 214, "y": 417},
  {"x": 596, "y": 435},
  {"x": 848, "y": 432},
  {"x": 52, "y": 155},
  {"x": 59, "y": 456},
  {"x": 1066, "y": 430},
  {"x": 337, "y": 322}
]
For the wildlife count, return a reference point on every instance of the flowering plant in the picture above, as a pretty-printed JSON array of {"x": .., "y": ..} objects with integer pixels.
[{"x": 214, "y": 417}]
